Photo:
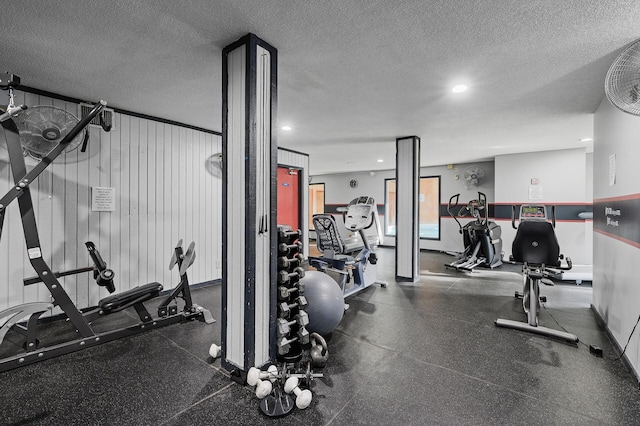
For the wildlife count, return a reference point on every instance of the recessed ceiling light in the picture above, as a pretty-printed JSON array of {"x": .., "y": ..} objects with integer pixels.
[
  {"x": 459, "y": 88},
  {"x": 286, "y": 128},
  {"x": 585, "y": 140},
  {"x": 380, "y": 160}
]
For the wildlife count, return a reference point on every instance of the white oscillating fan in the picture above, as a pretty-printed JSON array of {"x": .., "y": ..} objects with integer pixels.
[
  {"x": 472, "y": 176},
  {"x": 622, "y": 84},
  {"x": 42, "y": 128}
]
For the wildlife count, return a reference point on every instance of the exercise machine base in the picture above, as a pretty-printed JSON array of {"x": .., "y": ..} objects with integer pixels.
[
  {"x": 544, "y": 331},
  {"x": 44, "y": 353}
]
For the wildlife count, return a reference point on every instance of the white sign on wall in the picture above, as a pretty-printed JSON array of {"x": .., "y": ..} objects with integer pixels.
[
  {"x": 612, "y": 169},
  {"x": 535, "y": 192},
  {"x": 103, "y": 199}
]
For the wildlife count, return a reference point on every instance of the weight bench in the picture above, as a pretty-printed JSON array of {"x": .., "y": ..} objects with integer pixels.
[{"x": 133, "y": 297}]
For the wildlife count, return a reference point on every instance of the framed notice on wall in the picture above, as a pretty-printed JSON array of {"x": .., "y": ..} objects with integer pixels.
[
  {"x": 535, "y": 192},
  {"x": 612, "y": 169},
  {"x": 103, "y": 199}
]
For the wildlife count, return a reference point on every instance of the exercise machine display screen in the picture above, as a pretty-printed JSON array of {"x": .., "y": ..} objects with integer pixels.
[
  {"x": 533, "y": 212},
  {"x": 358, "y": 216}
]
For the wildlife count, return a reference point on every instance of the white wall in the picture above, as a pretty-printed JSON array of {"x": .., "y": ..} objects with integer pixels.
[
  {"x": 561, "y": 175},
  {"x": 167, "y": 187},
  {"x": 616, "y": 292},
  {"x": 338, "y": 191}
]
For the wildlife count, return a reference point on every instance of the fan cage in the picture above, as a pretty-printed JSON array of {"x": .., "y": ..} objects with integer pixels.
[
  {"x": 622, "y": 84},
  {"x": 37, "y": 120}
]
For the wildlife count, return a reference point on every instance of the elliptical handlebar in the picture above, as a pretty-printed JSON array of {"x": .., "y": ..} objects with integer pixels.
[
  {"x": 474, "y": 207},
  {"x": 449, "y": 207},
  {"x": 482, "y": 205}
]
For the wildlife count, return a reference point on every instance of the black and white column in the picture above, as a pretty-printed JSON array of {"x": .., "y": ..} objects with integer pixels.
[
  {"x": 249, "y": 100},
  {"x": 407, "y": 197}
]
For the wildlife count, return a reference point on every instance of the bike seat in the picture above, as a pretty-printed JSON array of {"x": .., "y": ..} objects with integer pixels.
[{"x": 118, "y": 302}]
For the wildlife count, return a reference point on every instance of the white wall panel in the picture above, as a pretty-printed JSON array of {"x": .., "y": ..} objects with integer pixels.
[
  {"x": 263, "y": 205},
  {"x": 163, "y": 193},
  {"x": 562, "y": 176},
  {"x": 235, "y": 165},
  {"x": 615, "y": 280}
]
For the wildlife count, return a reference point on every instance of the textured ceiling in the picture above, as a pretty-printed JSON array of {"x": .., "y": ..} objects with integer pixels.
[{"x": 353, "y": 75}]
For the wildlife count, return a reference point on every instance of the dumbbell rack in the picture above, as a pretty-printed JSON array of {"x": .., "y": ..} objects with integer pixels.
[
  {"x": 280, "y": 381},
  {"x": 291, "y": 334}
]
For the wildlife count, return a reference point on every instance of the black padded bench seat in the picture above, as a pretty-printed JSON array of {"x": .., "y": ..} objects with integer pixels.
[{"x": 128, "y": 298}]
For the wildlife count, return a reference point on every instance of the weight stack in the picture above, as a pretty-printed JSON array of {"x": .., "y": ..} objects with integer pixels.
[{"x": 291, "y": 333}]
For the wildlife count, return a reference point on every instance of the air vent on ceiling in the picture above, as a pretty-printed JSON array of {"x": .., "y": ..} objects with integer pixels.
[{"x": 85, "y": 109}]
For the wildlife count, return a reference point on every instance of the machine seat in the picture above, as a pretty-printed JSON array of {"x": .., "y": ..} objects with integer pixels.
[
  {"x": 328, "y": 238},
  {"x": 535, "y": 243},
  {"x": 118, "y": 302},
  {"x": 353, "y": 244}
]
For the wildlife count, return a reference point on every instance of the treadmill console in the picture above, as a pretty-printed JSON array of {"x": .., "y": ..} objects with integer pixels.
[{"x": 533, "y": 212}]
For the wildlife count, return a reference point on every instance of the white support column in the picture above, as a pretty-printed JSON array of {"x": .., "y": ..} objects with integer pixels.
[
  {"x": 407, "y": 220},
  {"x": 249, "y": 154}
]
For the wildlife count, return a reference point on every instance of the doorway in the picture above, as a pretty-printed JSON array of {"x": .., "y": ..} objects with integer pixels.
[{"x": 289, "y": 197}]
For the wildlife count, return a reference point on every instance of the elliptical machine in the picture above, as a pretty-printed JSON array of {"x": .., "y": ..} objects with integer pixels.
[
  {"x": 536, "y": 247},
  {"x": 482, "y": 238}
]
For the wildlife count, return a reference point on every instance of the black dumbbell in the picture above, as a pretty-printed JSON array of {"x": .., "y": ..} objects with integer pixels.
[
  {"x": 284, "y": 276},
  {"x": 303, "y": 335},
  {"x": 285, "y": 308},
  {"x": 284, "y": 262},
  {"x": 284, "y": 344},
  {"x": 284, "y": 326},
  {"x": 285, "y": 292},
  {"x": 286, "y": 234},
  {"x": 286, "y": 248}
]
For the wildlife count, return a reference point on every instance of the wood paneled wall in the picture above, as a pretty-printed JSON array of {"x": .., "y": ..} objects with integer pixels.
[{"x": 167, "y": 181}]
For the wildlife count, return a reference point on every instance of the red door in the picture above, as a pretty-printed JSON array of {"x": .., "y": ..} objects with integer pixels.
[{"x": 289, "y": 197}]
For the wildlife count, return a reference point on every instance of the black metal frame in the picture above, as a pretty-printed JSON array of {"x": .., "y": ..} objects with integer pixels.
[{"x": 81, "y": 320}]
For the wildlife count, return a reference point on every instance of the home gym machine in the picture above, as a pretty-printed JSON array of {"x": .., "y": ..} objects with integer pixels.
[
  {"x": 482, "y": 238},
  {"x": 81, "y": 320},
  {"x": 536, "y": 247},
  {"x": 355, "y": 273}
]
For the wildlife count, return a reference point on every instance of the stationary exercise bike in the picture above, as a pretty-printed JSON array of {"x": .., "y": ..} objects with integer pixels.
[
  {"x": 56, "y": 139},
  {"x": 356, "y": 273},
  {"x": 536, "y": 247},
  {"x": 482, "y": 238}
]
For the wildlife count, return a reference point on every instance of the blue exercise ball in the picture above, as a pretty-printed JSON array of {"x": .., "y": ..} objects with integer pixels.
[{"x": 325, "y": 302}]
